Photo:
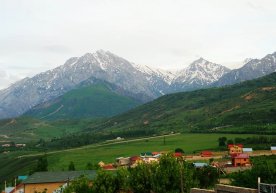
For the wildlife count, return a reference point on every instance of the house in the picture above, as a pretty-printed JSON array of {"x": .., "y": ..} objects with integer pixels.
[
  {"x": 206, "y": 154},
  {"x": 123, "y": 161},
  {"x": 6, "y": 145},
  {"x": 22, "y": 177},
  {"x": 240, "y": 160},
  {"x": 135, "y": 160},
  {"x": 40, "y": 181},
  {"x": 101, "y": 164},
  {"x": 248, "y": 151},
  {"x": 200, "y": 165},
  {"x": 178, "y": 154},
  {"x": 151, "y": 159},
  {"x": 109, "y": 167},
  {"x": 146, "y": 154},
  {"x": 235, "y": 149},
  {"x": 273, "y": 150},
  {"x": 20, "y": 145}
]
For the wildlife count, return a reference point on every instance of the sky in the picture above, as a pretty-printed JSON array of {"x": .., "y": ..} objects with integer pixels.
[{"x": 38, "y": 35}]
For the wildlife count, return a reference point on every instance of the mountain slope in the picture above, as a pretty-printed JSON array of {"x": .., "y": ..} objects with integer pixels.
[
  {"x": 199, "y": 74},
  {"x": 48, "y": 85},
  {"x": 254, "y": 68},
  {"x": 86, "y": 101},
  {"x": 245, "y": 107}
]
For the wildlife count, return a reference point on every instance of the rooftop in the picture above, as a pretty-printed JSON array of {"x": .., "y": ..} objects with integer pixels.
[{"x": 242, "y": 156}]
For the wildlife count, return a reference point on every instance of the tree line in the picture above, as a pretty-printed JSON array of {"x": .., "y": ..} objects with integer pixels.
[{"x": 170, "y": 175}]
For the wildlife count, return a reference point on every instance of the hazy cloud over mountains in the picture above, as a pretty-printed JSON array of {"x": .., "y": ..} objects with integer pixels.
[{"x": 39, "y": 35}]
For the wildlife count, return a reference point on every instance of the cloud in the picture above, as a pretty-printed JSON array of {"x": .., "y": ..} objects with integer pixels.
[{"x": 36, "y": 36}]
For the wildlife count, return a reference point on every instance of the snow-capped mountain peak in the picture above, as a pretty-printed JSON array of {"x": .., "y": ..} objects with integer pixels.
[{"x": 200, "y": 73}]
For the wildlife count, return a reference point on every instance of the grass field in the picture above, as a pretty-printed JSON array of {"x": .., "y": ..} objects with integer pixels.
[
  {"x": 10, "y": 165},
  {"x": 188, "y": 142}
]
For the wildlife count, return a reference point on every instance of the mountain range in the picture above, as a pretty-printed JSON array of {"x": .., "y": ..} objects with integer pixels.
[{"x": 139, "y": 82}]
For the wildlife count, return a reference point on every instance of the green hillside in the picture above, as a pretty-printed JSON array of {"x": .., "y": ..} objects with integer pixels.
[
  {"x": 248, "y": 107},
  {"x": 27, "y": 129},
  {"x": 94, "y": 101}
]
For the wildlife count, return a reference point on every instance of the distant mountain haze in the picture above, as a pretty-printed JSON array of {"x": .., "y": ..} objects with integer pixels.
[{"x": 139, "y": 82}]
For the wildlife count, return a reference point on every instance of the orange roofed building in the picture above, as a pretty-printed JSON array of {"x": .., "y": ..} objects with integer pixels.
[
  {"x": 241, "y": 160},
  {"x": 235, "y": 149},
  {"x": 51, "y": 181}
]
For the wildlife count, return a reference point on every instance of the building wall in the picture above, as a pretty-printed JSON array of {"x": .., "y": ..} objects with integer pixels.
[
  {"x": 235, "y": 150},
  {"x": 31, "y": 188},
  {"x": 233, "y": 189},
  {"x": 241, "y": 161},
  {"x": 225, "y": 189},
  {"x": 197, "y": 190}
]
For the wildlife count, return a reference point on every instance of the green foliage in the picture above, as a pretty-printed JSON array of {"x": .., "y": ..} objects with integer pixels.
[
  {"x": 166, "y": 177},
  {"x": 179, "y": 150},
  {"x": 222, "y": 141},
  {"x": 207, "y": 176},
  {"x": 80, "y": 185},
  {"x": 246, "y": 107},
  {"x": 257, "y": 142},
  {"x": 71, "y": 166},
  {"x": 105, "y": 182},
  {"x": 170, "y": 175},
  {"x": 141, "y": 178},
  {"x": 42, "y": 165}
]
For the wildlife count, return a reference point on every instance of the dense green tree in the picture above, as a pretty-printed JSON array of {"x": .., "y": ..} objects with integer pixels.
[
  {"x": 179, "y": 150},
  {"x": 166, "y": 177},
  {"x": 42, "y": 164},
  {"x": 140, "y": 178},
  {"x": 79, "y": 185},
  {"x": 207, "y": 176},
  {"x": 230, "y": 141},
  {"x": 105, "y": 182},
  {"x": 89, "y": 166},
  {"x": 71, "y": 166},
  {"x": 222, "y": 141}
]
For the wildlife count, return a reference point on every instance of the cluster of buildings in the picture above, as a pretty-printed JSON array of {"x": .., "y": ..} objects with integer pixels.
[
  {"x": 144, "y": 157},
  {"x": 13, "y": 145}
]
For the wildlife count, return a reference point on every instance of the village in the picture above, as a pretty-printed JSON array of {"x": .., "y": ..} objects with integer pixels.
[{"x": 237, "y": 158}]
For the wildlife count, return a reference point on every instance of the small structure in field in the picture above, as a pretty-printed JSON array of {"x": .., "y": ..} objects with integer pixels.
[
  {"x": 109, "y": 167},
  {"x": 235, "y": 149},
  {"x": 20, "y": 145},
  {"x": 123, "y": 161},
  {"x": 200, "y": 165},
  {"x": 178, "y": 154},
  {"x": 134, "y": 160},
  {"x": 146, "y": 154},
  {"x": 248, "y": 151},
  {"x": 206, "y": 154},
  {"x": 101, "y": 164},
  {"x": 273, "y": 149},
  {"x": 241, "y": 160}
]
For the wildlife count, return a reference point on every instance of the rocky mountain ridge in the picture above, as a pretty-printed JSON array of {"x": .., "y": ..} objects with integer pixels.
[{"x": 142, "y": 82}]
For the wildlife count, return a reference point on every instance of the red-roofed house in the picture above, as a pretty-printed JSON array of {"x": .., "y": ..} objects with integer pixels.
[
  {"x": 109, "y": 167},
  {"x": 178, "y": 154},
  {"x": 206, "y": 154},
  {"x": 240, "y": 160},
  {"x": 235, "y": 149}
]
